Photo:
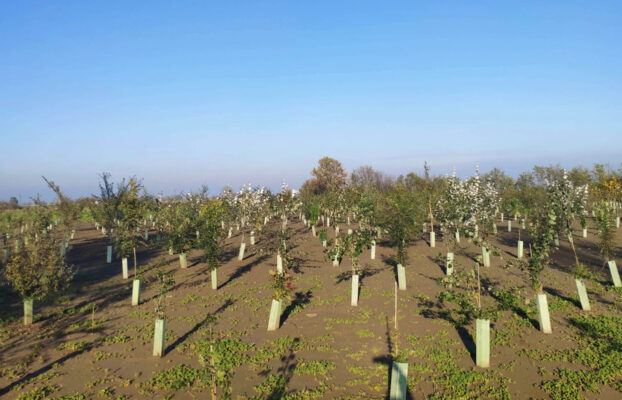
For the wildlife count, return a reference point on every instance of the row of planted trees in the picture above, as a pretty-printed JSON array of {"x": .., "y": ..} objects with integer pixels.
[
  {"x": 196, "y": 221},
  {"x": 412, "y": 208},
  {"x": 471, "y": 209},
  {"x": 35, "y": 241}
]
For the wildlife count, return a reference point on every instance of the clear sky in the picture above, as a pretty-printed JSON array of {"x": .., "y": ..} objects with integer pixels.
[{"x": 186, "y": 93}]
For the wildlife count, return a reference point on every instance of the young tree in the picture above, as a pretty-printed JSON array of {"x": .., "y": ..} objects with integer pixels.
[
  {"x": 400, "y": 212},
  {"x": 212, "y": 236},
  {"x": 107, "y": 212},
  {"x": 131, "y": 212},
  {"x": 567, "y": 201},
  {"x": 180, "y": 227},
  {"x": 165, "y": 281},
  {"x": 38, "y": 270},
  {"x": 69, "y": 210},
  {"x": 541, "y": 232}
]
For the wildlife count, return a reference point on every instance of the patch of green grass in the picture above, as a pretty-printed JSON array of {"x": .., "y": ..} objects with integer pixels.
[
  {"x": 77, "y": 396},
  {"x": 364, "y": 333},
  {"x": 361, "y": 318},
  {"x": 455, "y": 382},
  {"x": 313, "y": 367},
  {"x": 116, "y": 339},
  {"x": 274, "y": 387},
  {"x": 71, "y": 346},
  {"x": 40, "y": 393},
  {"x": 175, "y": 378},
  {"x": 275, "y": 349},
  {"x": 189, "y": 299},
  {"x": 558, "y": 304},
  {"x": 599, "y": 351},
  {"x": 141, "y": 314},
  {"x": 102, "y": 355},
  {"x": 329, "y": 302},
  {"x": 307, "y": 394}
]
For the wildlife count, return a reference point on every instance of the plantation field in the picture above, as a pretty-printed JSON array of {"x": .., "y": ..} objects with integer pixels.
[{"x": 91, "y": 343}]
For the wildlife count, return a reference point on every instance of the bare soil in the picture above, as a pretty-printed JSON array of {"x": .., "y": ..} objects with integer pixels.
[{"x": 92, "y": 342}]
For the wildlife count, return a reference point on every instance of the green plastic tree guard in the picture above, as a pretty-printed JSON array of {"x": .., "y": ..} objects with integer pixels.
[
  {"x": 241, "y": 254},
  {"x": 432, "y": 239},
  {"x": 615, "y": 275},
  {"x": 486, "y": 256},
  {"x": 124, "y": 267},
  {"x": 449, "y": 264},
  {"x": 28, "y": 307},
  {"x": 399, "y": 380},
  {"x": 183, "y": 260},
  {"x": 520, "y": 249},
  {"x": 401, "y": 277},
  {"x": 158, "y": 338},
  {"x": 482, "y": 343},
  {"x": 214, "y": 276},
  {"x": 355, "y": 291},
  {"x": 275, "y": 315},
  {"x": 136, "y": 292},
  {"x": 585, "y": 302},
  {"x": 543, "y": 313},
  {"x": 279, "y": 264},
  {"x": 108, "y": 254}
]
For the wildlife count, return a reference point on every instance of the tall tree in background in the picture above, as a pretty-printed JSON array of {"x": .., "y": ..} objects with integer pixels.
[{"x": 329, "y": 176}]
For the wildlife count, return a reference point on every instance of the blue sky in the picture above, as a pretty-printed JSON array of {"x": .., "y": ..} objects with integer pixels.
[{"x": 190, "y": 93}]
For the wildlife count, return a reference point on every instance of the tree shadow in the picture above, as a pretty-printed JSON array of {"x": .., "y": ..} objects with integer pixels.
[
  {"x": 555, "y": 292},
  {"x": 343, "y": 276},
  {"x": 390, "y": 260},
  {"x": 240, "y": 271},
  {"x": 44, "y": 369},
  {"x": 387, "y": 360},
  {"x": 517, "y": 310},
  {"x": 198, "y": 326},
  {"x": 366, "y": 272},
  {"x": 285, "y": 371},
  {"x": 467, "y": 340},
  {"x": 301, "y": 299}
]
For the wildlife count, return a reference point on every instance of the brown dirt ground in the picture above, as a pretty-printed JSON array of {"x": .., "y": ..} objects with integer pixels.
[{"x": 73, "y": 358}]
